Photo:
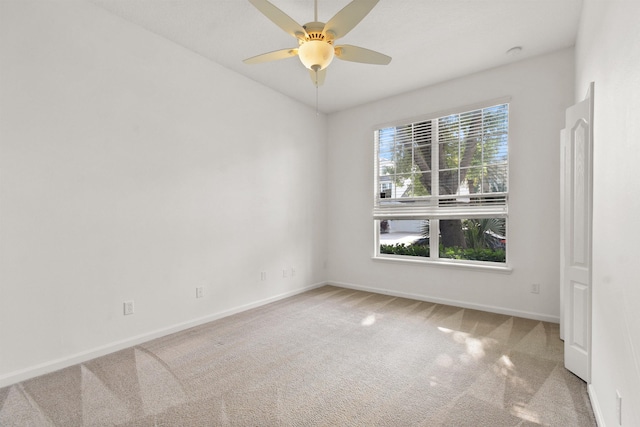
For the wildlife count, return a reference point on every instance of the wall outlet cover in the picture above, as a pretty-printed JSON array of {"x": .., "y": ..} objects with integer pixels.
[{"x": 128, "y": 308}]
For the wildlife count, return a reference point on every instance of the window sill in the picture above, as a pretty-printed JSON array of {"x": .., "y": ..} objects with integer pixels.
[{"x": 488, "y": 267}]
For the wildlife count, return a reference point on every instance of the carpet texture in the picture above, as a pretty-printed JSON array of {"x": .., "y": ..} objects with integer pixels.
[{"x": 327, "y": 357}]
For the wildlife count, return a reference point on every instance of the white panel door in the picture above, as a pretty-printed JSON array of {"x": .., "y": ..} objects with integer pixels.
[{"x": 576, "y": 211}]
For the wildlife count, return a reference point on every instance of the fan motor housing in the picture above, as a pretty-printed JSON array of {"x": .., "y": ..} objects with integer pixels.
[{"x": 315, "y": 32}]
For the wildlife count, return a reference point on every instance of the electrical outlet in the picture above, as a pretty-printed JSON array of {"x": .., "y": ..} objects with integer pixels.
[
  {"x": 263, "y": 276},
  {"x": 128, "y": 307},
  {"x": 619, "y": 407},
  {"x": 535, "y": 288},
  {"x": 199, "y": 291},
  {"x": 285, "y": 273}
]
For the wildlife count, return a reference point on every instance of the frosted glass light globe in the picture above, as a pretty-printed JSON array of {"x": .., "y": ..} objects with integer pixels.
[{"x": 316, "y": 54}]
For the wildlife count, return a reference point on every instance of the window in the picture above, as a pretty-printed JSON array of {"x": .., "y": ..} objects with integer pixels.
[{"x": 441, "y": 187}]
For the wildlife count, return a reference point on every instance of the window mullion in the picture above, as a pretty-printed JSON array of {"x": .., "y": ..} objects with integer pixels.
[
  {"x": 376, "y": 169},
  {"x": 482, "y": 147},
  {"x": 434, "y": 224},
  {"x": 413, "y": 159},
  {"x": 459, "y": 165},
  {"x": 435, "y": 160}
]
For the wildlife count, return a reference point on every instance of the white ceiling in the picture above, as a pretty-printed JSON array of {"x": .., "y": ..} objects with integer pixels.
[{"x": 430, "y": 40}]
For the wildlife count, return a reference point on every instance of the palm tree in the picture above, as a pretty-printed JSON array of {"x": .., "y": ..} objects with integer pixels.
[{"x": 484, "y": 233}]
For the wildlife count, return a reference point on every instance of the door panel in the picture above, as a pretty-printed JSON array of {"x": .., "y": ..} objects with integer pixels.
[
  {"x": 576, "y": 219},
  {"x": 580, "y": 300},
  {"x": 578, "y": 196}
]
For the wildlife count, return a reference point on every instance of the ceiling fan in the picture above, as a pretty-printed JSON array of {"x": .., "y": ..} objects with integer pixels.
[{"x": 316, "y": 39}]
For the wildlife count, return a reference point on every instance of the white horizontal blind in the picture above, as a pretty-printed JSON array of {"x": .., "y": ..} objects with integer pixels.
[
  {"x": 472, "y": 166},
  {"x": 404, "y": 160},
  {"x": 479, "y": 208}
]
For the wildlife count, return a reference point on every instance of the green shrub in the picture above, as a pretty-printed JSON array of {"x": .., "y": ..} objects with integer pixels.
[
  {"x": 402, "y": 249},
  {"x": 479, "y": 254}
]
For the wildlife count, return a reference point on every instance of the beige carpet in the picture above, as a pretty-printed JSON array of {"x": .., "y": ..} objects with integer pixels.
[{"x": 328, "y": 357}]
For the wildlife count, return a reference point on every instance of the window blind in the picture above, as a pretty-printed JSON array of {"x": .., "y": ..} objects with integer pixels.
[{"x": 455, "y": 166}]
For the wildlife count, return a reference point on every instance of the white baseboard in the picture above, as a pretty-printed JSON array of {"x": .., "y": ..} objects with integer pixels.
[
  {"x": 457, "y": 303},
  {"x": 595, "y": 405},
  {"x": 64, "y": 362},
  {"x": 54, "y": 365}
]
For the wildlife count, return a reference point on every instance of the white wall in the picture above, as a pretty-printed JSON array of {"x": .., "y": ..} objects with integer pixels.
[
  {"x": 540, "y": 89},
  {"x": 608, "y": 53},
  {"x": 134, "y": 169}
]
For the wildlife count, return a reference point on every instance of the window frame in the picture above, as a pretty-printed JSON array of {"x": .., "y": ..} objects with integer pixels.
[{"x": 431, "y": 209}]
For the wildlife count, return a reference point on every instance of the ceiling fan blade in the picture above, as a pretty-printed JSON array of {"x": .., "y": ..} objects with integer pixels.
[
  {"x": 272, "y": 56},
  {"x": 359, "y": 54},
  {"x": 345, "y": 20},
  {"x": 317, "y": 77},
  {"x": 279, "y": 18}
]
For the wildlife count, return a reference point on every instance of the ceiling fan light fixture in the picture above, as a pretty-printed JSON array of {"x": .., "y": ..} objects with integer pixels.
[
  {"x": 316, "y": 39},
  {"x": 316, "y": 54}
]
